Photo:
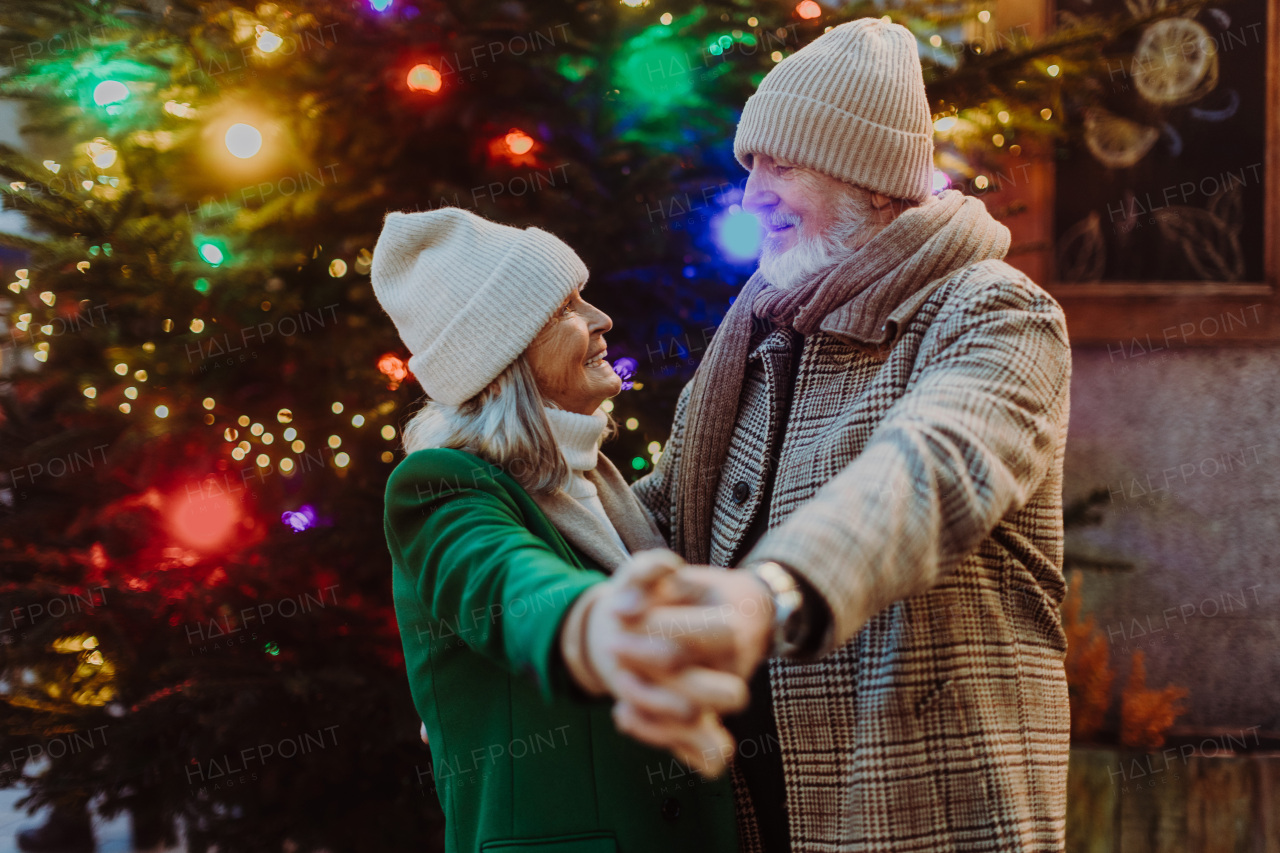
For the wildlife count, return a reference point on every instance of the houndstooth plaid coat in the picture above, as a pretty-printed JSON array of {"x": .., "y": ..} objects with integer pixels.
[{"x": 918, "y": 487}]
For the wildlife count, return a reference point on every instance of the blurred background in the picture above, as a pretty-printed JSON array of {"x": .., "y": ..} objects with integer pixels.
[{"x": 201, "y": 400}]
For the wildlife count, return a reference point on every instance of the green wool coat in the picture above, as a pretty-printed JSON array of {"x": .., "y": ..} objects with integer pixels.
[{"x": 520, "y": 758}]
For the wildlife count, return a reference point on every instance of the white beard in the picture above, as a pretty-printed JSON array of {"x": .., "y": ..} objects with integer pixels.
[{"x": 812, "y": 255}]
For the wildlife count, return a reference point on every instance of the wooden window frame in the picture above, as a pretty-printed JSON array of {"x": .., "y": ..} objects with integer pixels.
[{"x": 1148, "y": 316}]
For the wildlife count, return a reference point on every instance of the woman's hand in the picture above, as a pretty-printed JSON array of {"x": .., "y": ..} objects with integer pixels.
[{"x": 668, "y": 700}]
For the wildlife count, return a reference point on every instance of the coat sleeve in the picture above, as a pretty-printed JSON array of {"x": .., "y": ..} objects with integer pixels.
[
  {"x": 458, "y": 535},
  {"x": 967, "y": 444},
  {"x": 656, "y": 490}
]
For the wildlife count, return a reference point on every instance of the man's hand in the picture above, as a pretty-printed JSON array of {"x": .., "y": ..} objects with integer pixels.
[{"x": 683, "y": 623}]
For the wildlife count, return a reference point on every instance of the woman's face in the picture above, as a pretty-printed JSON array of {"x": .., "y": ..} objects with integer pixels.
[{"x": 568, "y": 357}]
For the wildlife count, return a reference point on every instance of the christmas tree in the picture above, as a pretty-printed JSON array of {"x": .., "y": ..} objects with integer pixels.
[{"x": 202, "y": 399}]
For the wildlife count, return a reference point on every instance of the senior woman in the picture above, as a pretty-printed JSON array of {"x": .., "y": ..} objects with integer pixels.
[{"x": 504, "y": 523}]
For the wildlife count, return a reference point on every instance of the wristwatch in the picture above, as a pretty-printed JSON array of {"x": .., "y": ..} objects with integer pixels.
[{"x": 789, "y": 624}]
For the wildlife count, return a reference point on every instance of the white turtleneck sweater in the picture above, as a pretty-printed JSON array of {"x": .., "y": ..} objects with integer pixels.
[{"x": 578, "y": 437}]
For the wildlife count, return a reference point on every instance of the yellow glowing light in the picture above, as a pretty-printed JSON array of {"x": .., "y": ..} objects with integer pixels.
[
  {"x": 267, "y": 41},
  {"x": 267, "y": 438},
  {"x": 388, "y": 432},
  {"x": 655, "y": 446},
  {"x": 752, "y": 21},
  {"x": 91, "y": 392},
  {"x": 298, "y": 446},
  {"x": 632, "y": 423},
  {"x": 125, "y": 407},
  {"x": 945, "y": 124},
  {"x": 42, "y": 355},
  {"x": 290, "y": 434},
  {"x": 607, "y": 405},
  {"x": 263, "y": 460},
  {"x": 935, "y": 40},
  {"x": 197, "y": 325},
  {"x": 336, "y": 408},
  {"x": 337, "y": 268},
  {"x": 237, "y": 454},
  {"x": 48, "y": 298},
  {"x": 182, "y": 110},
  {"x": 1046, "y": 114},
  {"x": 1003, "y": 116},
  {"x": 776, "y": 56},
  {"x": 387, "y": 456},
  {"x": 984, "y": 16},
  {"x": 46, "y": 329},
  {"x": 243, "y": 140},
  {"x": 998, "y": 140},
  {"x": 1053, "y": 70},
  {"x": 666, "y": 19},
  {"x": 88, "y": 185},
  {"x": 101, "y": 153},
  {"x": 335, "y": 440},
  {"x": 256, "y": 429},
  {"x": 208, "y": 403},
  {"x": 131, "y": 393},
  {"x": 286, "y": 465},
  {"x": 1015, "y": 149},
  {"x": 167, "y": 325},
  {"x": 140, "y": 375},
  {"x": 162, "y": 411},
  {"x": 342, "y": 460},
  {"x": 245, "y": 445},
  {"x": 122, "y": 368},
  {"x": 981, "y": 182},
  {"x": 243, "y": 420},
  {"x": 284, "y": 416},
  {"x": 357, "y": 420},
  {"x": 230, "y": 433}
]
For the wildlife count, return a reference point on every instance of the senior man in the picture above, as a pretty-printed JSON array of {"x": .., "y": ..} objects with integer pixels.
[{"x": 876, "y": 433}]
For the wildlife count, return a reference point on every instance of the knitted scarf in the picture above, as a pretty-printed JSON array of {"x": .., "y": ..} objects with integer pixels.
[{"x": 944, "y": 234}]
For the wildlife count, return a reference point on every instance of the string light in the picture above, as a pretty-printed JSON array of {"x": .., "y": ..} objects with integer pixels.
[
  {"x": 341, "y": 460},
  {"x": 357, "y": 421},
  {"x": 243, "y": 420},
  {"x": 263, "y": 460},
  {"x": 91, "y": 392},
  {"x": 1046, "y": 114},
  {"x": 230, "y": 433},
  {"x": 518, "y": 142},
  {"x": 125, "y": 407},
  {"x": 388, "y": 432},
  {"x": 256, "y": 429},
  {"x": 984, "y": 16},
  {"x": 298, "y": 446},
  {"x": 140, "y": 375},
  {"x": 335, "y": 441},
  {"x": 290, "y": 434},
  {"x": 110, "y": 92},
  {"x": 208, "y": 403},
  {"x": 267, "y": 438},
  {"x": 632, "y": 423},
  {"x": 808, "y": 10},
  {"x": 424, "y": 78},
  {"x": 336, "y": 408},
  {"x": 337, "y": 268},
  {"x": 1003, "y": 117},
  {"x": 1052, "y": 70},
  {"x": 197, "y": 325},
  {"x": 980, "y": 182},
  {"x": 162, "y": 411},
  {"x": 267, "y": 41},
  {"x": 122, "y": 368},
  {"x": 284, "y": 416},
  {"x": 131, "y": 393},
  {"x": 243, "y": 140},
  {"x": 935, "y": 40},
  {"x": 666, "y": 19},
  {"x": 998, "y": 140}
]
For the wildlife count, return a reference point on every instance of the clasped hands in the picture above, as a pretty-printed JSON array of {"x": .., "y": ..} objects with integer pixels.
[{"x": 674, "y": 644}]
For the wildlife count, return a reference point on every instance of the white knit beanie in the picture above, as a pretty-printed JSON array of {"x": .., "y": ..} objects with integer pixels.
[
  {"x": 468, "y": 295},
  {"x": 851, "y": 104}
]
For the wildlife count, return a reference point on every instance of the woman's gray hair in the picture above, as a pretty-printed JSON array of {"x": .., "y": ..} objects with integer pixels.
[{"x": 504, "y": 424}]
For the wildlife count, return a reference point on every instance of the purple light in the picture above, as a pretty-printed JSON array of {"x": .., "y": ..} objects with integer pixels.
[
  {"x": 380, "y": 5},
  {"x": 303, "y": 519},
  {"x": 626, "y": 370}
]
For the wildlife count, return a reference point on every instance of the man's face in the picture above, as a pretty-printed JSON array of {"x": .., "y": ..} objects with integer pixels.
[
  {"x": 812, "y": 221},
  {"x": 793, "y": 203}
]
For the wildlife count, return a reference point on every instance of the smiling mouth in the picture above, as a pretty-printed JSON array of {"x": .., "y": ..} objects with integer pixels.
[{"x": 596, "y": 360}]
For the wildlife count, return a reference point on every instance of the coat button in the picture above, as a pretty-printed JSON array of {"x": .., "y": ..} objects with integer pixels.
[
  {"x": 741, "y": 491},
  {"x": 671, "y": 808}
]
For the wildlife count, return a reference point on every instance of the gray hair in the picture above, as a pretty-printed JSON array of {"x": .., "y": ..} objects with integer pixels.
[{"x": 504, "y": 424}]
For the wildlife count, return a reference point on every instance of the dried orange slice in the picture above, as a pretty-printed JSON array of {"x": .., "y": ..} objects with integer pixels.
[
  {"x": 1116, "y": 142},
  {"x": 1175, "y": 62}
]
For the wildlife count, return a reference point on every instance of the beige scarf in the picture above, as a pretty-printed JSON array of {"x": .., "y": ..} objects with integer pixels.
[
  {"x": 925, "y": 243},
  {"x": 581, "y": 527}
]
